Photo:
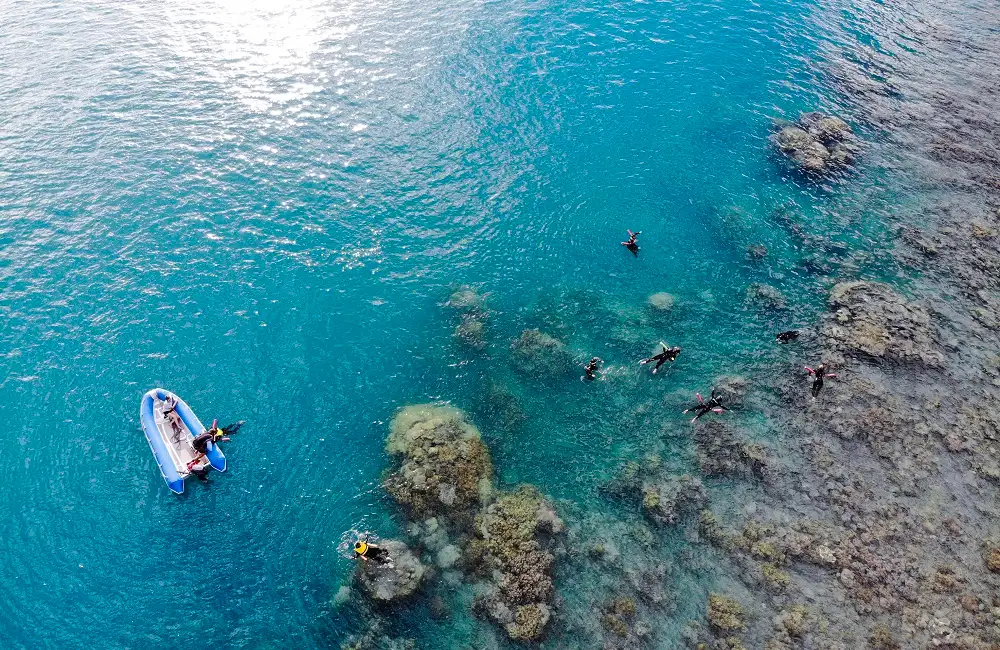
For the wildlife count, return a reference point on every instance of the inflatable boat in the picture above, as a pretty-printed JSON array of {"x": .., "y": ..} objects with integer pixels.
[{"x": 171, "y": 435}]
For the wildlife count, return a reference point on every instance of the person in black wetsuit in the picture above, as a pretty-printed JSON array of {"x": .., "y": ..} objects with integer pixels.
[
  {"x": 819, "y": 375},
  {"x": 222, "y": 433},
  {"x": 630, "y": 244},
  {"x": 787, "y": 337},
  {"x": 713, "y": 404},
  {"x": 202, "y": 441},
  {"x": 590, "y": 370},
  {"x": 201, "y": 444},
  {"x": 365, "y": 551},
  {"x": 666, "y": 354},
  {"x": 211, "y": 436}
]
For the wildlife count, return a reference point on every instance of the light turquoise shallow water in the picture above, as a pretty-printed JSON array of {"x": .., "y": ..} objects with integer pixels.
[{"x": 261, "y": 205}]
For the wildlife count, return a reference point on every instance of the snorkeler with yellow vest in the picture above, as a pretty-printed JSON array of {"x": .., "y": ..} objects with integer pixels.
[
  {"x": 211, "y": 436},
  {"x": 365, "y": 551}
]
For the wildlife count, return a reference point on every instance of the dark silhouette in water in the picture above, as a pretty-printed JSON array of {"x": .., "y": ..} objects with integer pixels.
[
  {"x": 630, "y": 244},
  {"x": 787, "y": 337},
  {"x": 714, "y": 404},
  {"x": 667, "y": 354},
  {"x": 590, "y": 370},
  {"x": 820, "y": 374}
]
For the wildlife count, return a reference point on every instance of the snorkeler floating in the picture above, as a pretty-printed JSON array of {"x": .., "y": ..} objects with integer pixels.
[
  {"x": 820, "y": 374},
  {"x": 714, "y": 404},
  {"x": 667, "y": 354},
  {"x": 787, "y": 337},
  {"x": 590, "y": 370},
  {"x": 630, "y": 244},
  {"x": 365, "y": 551}
]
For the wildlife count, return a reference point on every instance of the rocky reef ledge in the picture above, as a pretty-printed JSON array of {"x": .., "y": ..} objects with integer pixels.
[
  {"x": 500, "y": 543},
  {"x": 817, "y": 143}
]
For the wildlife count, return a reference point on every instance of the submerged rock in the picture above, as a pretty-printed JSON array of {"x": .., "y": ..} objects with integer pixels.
[
  {"x": 766, "y": 296},
  {"x": 393, "y": 580},
  {"x": 446, "y": 468},
  {"x": 756, "y": 252},
  {"x": 470, "y": 306},
  {"x": 801, "y": 148},
  {"x": 665, "y": 503},
  {"x": 661, "y": 302},
  {"x": 466, "y": 299},
  {"x": 871, "y": 320},
  {"x": 510, "y": 548},
  {"x": 817, "y": 144},
  {"x": 991, "y": 556},
  {"x": 725, "y": 615},
  {"x": 733, "y": 390},
  {"x": 538, "y": 354},
  {"x": 722, "y": 453},
  {"x": 471, "y": 331}
]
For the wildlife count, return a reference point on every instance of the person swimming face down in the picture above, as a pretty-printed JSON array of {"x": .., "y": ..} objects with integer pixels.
[
  {"x": 363, "y": 550},
  {"x": 665, "y": 354},
  {"x": 713, "y": 404},
  {"x": 819, "y": 374},
  {"x": 590, "y": 370},
  {"x": 631, "y": 243}
]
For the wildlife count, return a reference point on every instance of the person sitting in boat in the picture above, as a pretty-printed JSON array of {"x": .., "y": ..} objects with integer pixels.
[
  {"x": 365, "y": 551},
  {"x": 170, "y": 412}
]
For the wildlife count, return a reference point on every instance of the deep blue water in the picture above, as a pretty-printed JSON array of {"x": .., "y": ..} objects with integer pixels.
[{"x": 262, "y": 205}]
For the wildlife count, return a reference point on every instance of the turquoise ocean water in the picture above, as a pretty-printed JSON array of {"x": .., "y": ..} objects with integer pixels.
[{"x": 262, "y": 205}]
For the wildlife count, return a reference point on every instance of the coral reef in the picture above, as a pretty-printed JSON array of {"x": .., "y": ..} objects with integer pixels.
[
  {"x": 991, "y": 556},
  {"x": 500, "y": 408},
  {"x": 445, "y": 467},
  {"x": 471, "y": 331},
  {"x": 470, "y": 306},
  {"x": 662, "y": 498},
  {"x": 376, "y": 636},
  {"x": 766, "y": 296},
  {"x": 871, "y": 320},
  {"x": 510, "y": 547},
  {"x": 622, "y": 627},
  {"x": 721, "y": 452},
  {"x": 665, "y": 502},
  {"x": 394, "y": 580},
  {"x": 817, "y": 144},
  {"x": 537, "y": 354},
  {"x": 617, "y": 615},
  {"x": 756, "y": 252},
  {"x": 661, "y": 302},
  {"x": 733, "y": 390},
  {"x": 445, "y": 484},
  {"x": 725, "y": 615},
  {"x": 466, "y": 299}
]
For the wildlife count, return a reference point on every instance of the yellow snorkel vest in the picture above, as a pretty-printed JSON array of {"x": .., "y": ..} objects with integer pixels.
[{"x": 361, "y": 548}]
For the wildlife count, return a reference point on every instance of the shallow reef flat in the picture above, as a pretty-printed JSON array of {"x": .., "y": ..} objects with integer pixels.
[{"x": 868, "y": 517}]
